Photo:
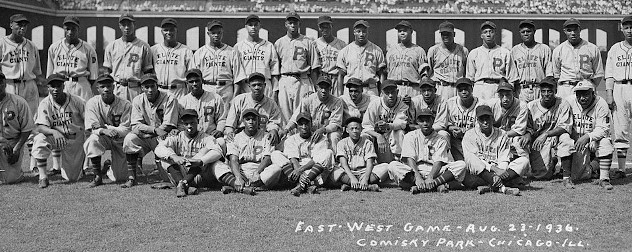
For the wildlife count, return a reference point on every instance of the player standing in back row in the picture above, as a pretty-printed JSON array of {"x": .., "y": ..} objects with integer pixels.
[
  {"x": 328, "y": 48},
  {"x": 488, "y": 63},
  {"x": 171, "y": 60},
  {"x": 447, "y": 61},
  {"x": 406, "y": 61}
]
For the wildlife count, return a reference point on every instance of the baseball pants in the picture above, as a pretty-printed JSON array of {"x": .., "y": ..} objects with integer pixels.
[
  {"x": 27, "y": 90},
  {"x": 269, "y": 176},
  {"x": 581, "y": 160},
  {"x": 291, "y": 91},
  {"x": 518, "y": 165},
  {"x": 564, "y": 90},
  {"x": 485, "y": 91},
  {"x": 456, "y": 148},
  {"x": 72, "y": 154},
  {"x": 95, "y": 146},
  {"x": 621, "y": 115},
  {"x": 178, "y": 92},
  {"x": 225, "y": 91},
  {"x": 398, "y": 170},
  {"x": 10, "y": 173},
  {"x": 517, "y": 149},
  {"x": 381, "y": 170},
  {"x": 334, "y": 85},
  {"x": 528, "y": 94},
  {"x": 367, "y": 90},
  {"x": 323, "y": 158},
  {"x": 394, "y": 140},
  {"x": 411, "y": 91},
  {"x": 126, "y": 92},
  {"x": 209, "y": 176},
  {"x": 543, "y": 161},
  {"x": 446, "y": 92},
  {"x": 81, "y": 88}
]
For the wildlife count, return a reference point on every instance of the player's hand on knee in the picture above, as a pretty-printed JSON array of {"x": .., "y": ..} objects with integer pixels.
[
  {"x": 295, "y": 175},
  {"x": 497, "y": 181},
  {"x": 317, "y": 135},
  {"x": 355, "y": 184},
  {"x": 109, "y": 132},
  {"x": 582, "y": 142},
  {"x": 217, "y": 133},
  {"x": 539, "y": 142},
  {"x": 59, "y": 139},
  {"x": 194, "y": 163},
  {"x": 160, "y": 132},
  {"x": 178, "y": 160}
]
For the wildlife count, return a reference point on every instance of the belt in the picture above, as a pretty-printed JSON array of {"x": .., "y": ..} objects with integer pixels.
[
  {"x": 529, "y": 84},
  {"x": 168, "y": 87},
  {"x": 295, "y": 75},
  {"x": 407, "y": 83},
  {"x": 75, "y": 79},
  {"x": 218, "y": 83},
  {"x": 629, "y": 82},
  {"x": 445, "y": 83},
  {"x": 17, "y": 80},
  {"x": 572, "y": 83},
  {"x": 128, "y": 83},
  {"x": 490, "y": 81}
]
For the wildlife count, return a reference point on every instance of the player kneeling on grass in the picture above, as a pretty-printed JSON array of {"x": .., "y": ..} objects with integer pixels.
[
  {"x": 108, "y": 118},
  {"x": 249, "y": 155},
  {"x": 591, "y": 132},
  {"x": 356, "y": 155},
  {"x": 487, "y": 154},
  {"x": 426, "y": 154},
  {"x": 305, "y": 157}
]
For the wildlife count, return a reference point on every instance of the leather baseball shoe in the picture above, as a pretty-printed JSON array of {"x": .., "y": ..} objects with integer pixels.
[{"x": 43, "y": 183}]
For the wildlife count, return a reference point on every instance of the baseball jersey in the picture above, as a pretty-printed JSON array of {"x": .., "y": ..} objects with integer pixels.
[
  {"x": 170, "y": 64},
  {"x": 488, "y": 63},
  {"x": 405, "y": 63},
  {"x": 219, "y": 64},
  {"x": 249, "y": 149},
  {"x": 379, "y": 111},
  {"x": 357, "y": 154},
  {"x": 146, "y": 115},
  {"x": 270, "y": 116},
  {"x": 575, "y": 63},
  {"x": 361, "y": 62},
  {"x": 323, "y": 113},
  {"x": 210, "y": 110},
  {"x": 425, "y": 149},
  {"x": 328, "y": 53},
  {"x": 67, "y": 118},
  {"x": 297, "y": 55},
  {"x": 351, "y": 109},
  {"x": 438, "y": 108},
  {"x": 619, "y": 62},
  {"x": 128, "y": 59},
  {"x": 16, "y": 117},
  {"x": 492, "y": 149},
  {"x": 594, "y": 120},
  {"x": 259, "y": 57},
  {"x": 297, "y": 147},
  {"x": 543, "y": 119},
  {"x": 447, "y": 65},
  {"x": 530, "y": 64},
  {"x": 19, "y": 61},
  {"x": 115, "y": 116},
  {"x": 72, "y": 61},
  {"x": 459, "y": 116},
  {"x": 187, "y": 147},
  {"x": 515, "y": 118}
]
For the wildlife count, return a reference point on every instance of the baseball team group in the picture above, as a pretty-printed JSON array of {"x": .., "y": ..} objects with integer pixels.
[{"x": 303, "y": 113}]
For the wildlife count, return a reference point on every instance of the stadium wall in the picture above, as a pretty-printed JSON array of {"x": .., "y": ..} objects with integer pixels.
[{"x": 100, "y": 28}]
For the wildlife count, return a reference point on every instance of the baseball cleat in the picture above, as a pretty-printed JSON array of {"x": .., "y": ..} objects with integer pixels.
[
  {"x": 619, "y": 175},
  {"x": 96, "y": 182},
  {"x": 106, "y": 166},
  {"x": 43, "y": 183},
  {"x": 249, "y": 191},
  {"x": 130, "y": 183},
  {"x": 414, "y": 190},
  {"x": 345, "y": 187},
  {"x": 295, "y": 191},
  {"x": 512, "y": 191},
  {"x": 181, "y": 189},
  {"x": 483, "y": 189},
  {"x": 605, "y": 184},
  {"x": 373, "y": 188},
  {"x": 227, "y": 189},
  {"x": 192, "y": 191},
  {"x": 568, "y": 183},
  {"x": 442, "y": 189},
  {"x": 313, "y": 190}
]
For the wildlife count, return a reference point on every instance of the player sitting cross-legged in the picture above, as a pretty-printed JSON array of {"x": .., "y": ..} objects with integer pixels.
[{"x": 427, "y": 162}]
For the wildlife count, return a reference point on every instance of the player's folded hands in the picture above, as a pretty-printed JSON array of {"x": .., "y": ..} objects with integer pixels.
[
  {"x": 295, "y": 175},
  {"x": 59, "y": 139}
]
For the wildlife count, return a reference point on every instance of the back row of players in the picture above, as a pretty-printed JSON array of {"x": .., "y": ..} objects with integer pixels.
[{"x": 277, "y": 82}]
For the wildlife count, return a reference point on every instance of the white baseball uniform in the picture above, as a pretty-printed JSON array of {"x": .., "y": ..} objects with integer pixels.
[
  {"x": 461, "y": 117},
  {"x": 210, "y": 109},
  {"x": 305, "y": 151},
  {"x": 396, "y": 115},
  {"x": 20, "y": 64},
  {"x": 221, "y": 70},
  {"x": 447, "y": 67},
  {"x": 485, "y": 67},
  {"x": 270, "y": 116},
  {"x": 515, "y": 118},
  {"x": 15, "y": 119},
  {"x": 406, "y": 64},
  {"x": 575, "y": 63},
  {"x": 352, "y": 109},
  {"x": 128, "y": 61},
  {"x": 250, "y": 151},
  {"x": 619, "y": 70},
  {"x": 146, "y": 116},
  {"x": 261, "y": 58},
  {"x": 529, "y": 67},
  {"x": 438, "y": 108},
  {"x": 481, "y": 152},
  {"x": 170, "y": 64},
  {"x": 328, "y": 53},
  {"x": 357, "y": 155},
  {"x": 362, "y": 62}
]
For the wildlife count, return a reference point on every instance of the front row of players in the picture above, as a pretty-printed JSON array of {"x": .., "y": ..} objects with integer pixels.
[{"x": 241, "y": 153}]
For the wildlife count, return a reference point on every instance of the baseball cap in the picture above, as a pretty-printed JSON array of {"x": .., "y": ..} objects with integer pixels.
[
  {"x": 71, "y": 20},
  {"x": 167, "y": 21},
  {"x": 147, "y": 78},
  {"x": 584, "y": 85},
  {"x": 505, "y": 86},
  {"x": 526, "y": 22},
  {"x": 353, "y": 82},
  {"x": 488, "y": 24},
  {"x": 214, "y": 23},
  {"x": 627, "y": 19},
  {"x": 252, "y": 17},
  {"x": 427, "y": 82},
  {"x": 548, "y": 81},
  {"x": 18, "y": 17},
  {"x": 353, "y": 119},
  {"x": 323, "y": 79},
  {"x": 293, "y": 15},
  {"x": 126, "y": 16},
  {"x": 55, "y": 78},
  {"x": 256, "y": 75},
  {"x": 304, "y": 115},
  {"x": 105, "y": 78},
  {"x": 404, "y": 23},
  {"x": 249, "y": 111},
  {"x": 446, "y": 27},
  {"x": 424, "y": 112},
  {"x": 388, "y": 83},
  {"x": 361, "y": 22},
  {"x": 324, "y": 19},
  {"x": 570, "y": 22},
  {"x": 193, "y": 71},
  {"x": 188, "y": 112},
  {"x": 483, "y": 110},
  {"x": 464, "y": 81}
]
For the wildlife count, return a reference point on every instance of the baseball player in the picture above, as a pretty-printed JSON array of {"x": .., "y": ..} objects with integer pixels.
[
  {"x": 307, "y": 159},
  {"x": 431, "y": 100},
  {"x": 325, "y": 109},
  {"x": 488, "y": 156},
  {"x": 171, "y": 60},
  {"x": 154, "y": 114},
  {"x": 488, "y": 63},
  {"x": 328, "y": 48},
  {"x": 362, "y": 59},
  {"x": 300, "y": 65},
  {"x": 427, "y": 162},
  {"x": 108, "y": 119},
  {"x": 406, "y": 62},
  {"x": 356, "y": 154},
  {"x": 591, "y": 132},
  {"x": 75, "y": 59},
  {"x": 258, "y": 55},
  {"x": 127, "y": 59},
  {"x": 356, "y": 101},
  {"x": 511, "y": 115},
  {"x": 460, "y": 115},
  {"x": 16, "y": 123},
  {"x": 550, "y": 120},
  {"x": 207, "y": 104},
  {"x": 575, "y": 60},
  {"x": 447, "y": 61},
  {"x": 249, "y": 155},
  {"x": 618, "y": 92},
  {"x": 531, "y": 62},
  {"x": 220, "y": 65},
  {"x": 60, "y": 126},
  {"x": 385, "y": 120},
  {"x": 271, "y": 119}
]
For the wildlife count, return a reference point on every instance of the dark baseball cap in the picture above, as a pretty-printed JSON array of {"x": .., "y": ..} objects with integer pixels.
[
  {"x": 570, "y": 22},
  {"x": 353, "y": 119},
  {"x": 303, "y": 115},
  {"x": 55, "y": 78},
  {"x": 168, "y": 21},
  {"x": 353, "y": 82},
  {"x": 147, "y": 78},
  {"x": 293, "y": 15},
  {"x": 362, "y": 23},
  {"x": 526, "y": 22},
  {"x": 465, "y": 81},
  {"x": 256, "y": 75},
  {"x": 446, "y": 27},
  {"x": 388, "y": 83},
  {"x": 549, "y": 81},
  {"x": 214, "y": 23},
  {"x": 71, "y": 20},
  {"x": 323, "y": 79},
  {"x": 627, "y": 19},
  {"x": 188, "y": 112},
  {"x": 18, "y": 18},
  {"x": 505, "y": 86},
  {"x": 105, "y": 78},
  {"x": 424, "y": 112},
  {"x": 249, "y": 111},
  {"x": 252, "y": 17},
  {"x": 427, "y": 82},
  {"x": 193, "y": 71},
  {"x": 483, "y": 110},
  {"x": 404, "y": 23},
  {"x": 127, "y": 16},
  {"x": 489, "y": 24},
  {"x": 324, "y": 19}
]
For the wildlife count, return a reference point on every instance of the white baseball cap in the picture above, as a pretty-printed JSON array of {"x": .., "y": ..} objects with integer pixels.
[{"x": 584, "y": 85}]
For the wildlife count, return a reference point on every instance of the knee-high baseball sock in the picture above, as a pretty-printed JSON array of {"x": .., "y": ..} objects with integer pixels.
[
  {"x": 56, "y": 159},
  {"x": 175, "y": 173},
  {"x": 228, "y": 179},
  {"x": 621, "y": 156},
  {"x": 315, "y": 171},
  {"x": 508, "y": 174},
  {"x": 287, "y": 169},
  {"x": 445, "y": 177},
  {"x": 41, "y": 167},
  {"x": 566, "y": 166},
  {"x": 131, "y": 165},
  {"x": 33, "y": 162},
  {"x": 96, "y": 165},
  {"x": 487, "y": 176},
  {"x": 604, "y": 167},
  {"x": 374, "y": 179},
  {"x": 193, "y": 171},
  {"x": 345, "y": 179}
]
